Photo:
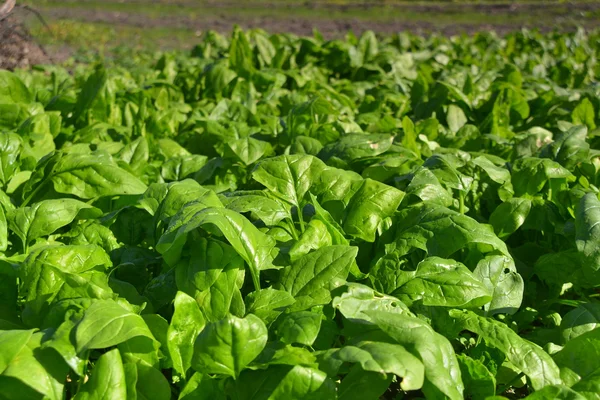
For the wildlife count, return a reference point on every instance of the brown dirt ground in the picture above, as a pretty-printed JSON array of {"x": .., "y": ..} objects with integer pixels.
[
  {"x": 17, "y": 48},
  {"x": 223, "y": 21}
]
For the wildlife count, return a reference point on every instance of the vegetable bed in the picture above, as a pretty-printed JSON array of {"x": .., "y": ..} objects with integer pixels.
[{"x": 277, "y": 217}]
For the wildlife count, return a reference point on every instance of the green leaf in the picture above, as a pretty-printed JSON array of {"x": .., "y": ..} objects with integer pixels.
[
  {"x": 358, "y": 300},
  {"x": 509, "y": 216},
  {"x": 283, "y": 382},
  {"x": 584, "y": 318},
  {"x": 12, "y": 89},
  {"x": 27, "y": 371},
  {"x": 105, "y": 324},
  {"x": 479, "y": 381},
  {"x": 500, "y": 276},
  {"x": 584, "y": 114},
  {"x": 268, "y": 304},
  {"x": 252, "y": 245},
  {"x": 442, "y": 371},
  {"x": 311, "y": 278},
  {"x": 456, "y": 118},
  {"x": 240, "y": 54},
  {"x": 360, "y": 384},
  {"x": 82, "y": 175},
  {"x": 289, "y": 177},
  {"x": 10, "y": 149},
  {"x": 268, "y": 210},
  {"x": 45, "y": 217},
  {"x": 315, "y": 236},
  {"x": 439, "y": 232},
  {"x": 187, "y": 322},
  {"x": 445, "y": 283},
  {"x": 61, "y": 342},
  {"x": 579, "y": 362},
  {"x": 209, "y": 276},
  {"x": 226, "y": 347},
  {"x": 569, "y": 148},
  {"x": 150, "y": 384},
  {"x": 523, "y": 354},
  {"x": 531, "y": 174},
  {"x": 202, "y": 387},
  {"x": 53, "y": 273},
  {"x": 180, "y": 168},
  {"x": 556, "y": 392},
  {"x": 299, "y": 327},
  {"x": 372, "y": 203},
  {"x": 379, "y": 357},
  {"x": 107, "y": 380}
]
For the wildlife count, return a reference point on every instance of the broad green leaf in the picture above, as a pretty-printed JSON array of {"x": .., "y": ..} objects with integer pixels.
[
  {"x": 439, "y": 232},
  {"x": 268, "y": 210},
  {"x": 209, "y": 276},
  {"x": 372, "y": 202},
  {"x": 509, "y": 216},
  {"x": 531, "y": 174},
  {"x": 456, "y": 118},
  {"x": 187, "y": 322},
  {"x": 379, "y": 357},
  {"x": 358, "y": 300},
  {"x": 584, "y": 114},
  {"x": 180, "y": 168},
  {"x": 107, "y": 380},
  {"x": 289, "y": 177},
  {"x": 227, "y": 346},
  {"x": 299, "y": 327},
  {"x": 268, "y": 303},
  {"x": 446, "y": 283},
  {"x": 45, "y": 217},
  {"x": 82, "y": 175},
  {"x": 579, "y": 362},
  {"x": 315, "y": 236},
  {"x": 105, "y": 324},
  {"x": 523, "y": 354},
  {"x": 150, "y": 384},
  {"x": 136, "y": 153},
  {"x": 479, "y": 381},
  {"x": 442, "y": 371},
  {"x": 353, "y": 147},
  {"x": 500, "y": 276},
  {"x": 253, "y": 246},
  {"x": 556, "y": 392},
  {"x": 569, "y": 148},
  {"x": 10, "y": 148},
  {"x": 360, "y": 384},
  {"x": 202, "y": 387},
  {"x": 61, "y": 342},
  {"x": 140, "y": 350},
  {"x": 53, "y": 273},
  {"x": 283, "y": 382},
  {"x": 12, "y": 89},
  {"x": 311, "y": 278},
  {"x": 12, "y": 342},
  {"x": 580, "y": 320},
  {"x": 28, "y": 371}
]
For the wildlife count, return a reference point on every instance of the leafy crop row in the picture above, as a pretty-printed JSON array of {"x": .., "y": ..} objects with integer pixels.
[{"x": 275, "y": 217}]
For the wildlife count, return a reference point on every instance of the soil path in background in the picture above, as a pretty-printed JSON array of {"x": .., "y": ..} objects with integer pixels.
[{"x": 222, "y": 18}]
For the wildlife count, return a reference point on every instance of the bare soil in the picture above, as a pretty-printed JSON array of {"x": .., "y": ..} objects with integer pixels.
[
  {"x": 17, "y": 48},
  {"x": 223, "y": 17}
]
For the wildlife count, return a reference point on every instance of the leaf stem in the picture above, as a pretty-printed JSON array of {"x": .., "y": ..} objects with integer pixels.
[
  {"x": 34, "y": 192},
  {"x": 510, "y": 383},
  {"x": 301, "y": 218}
]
